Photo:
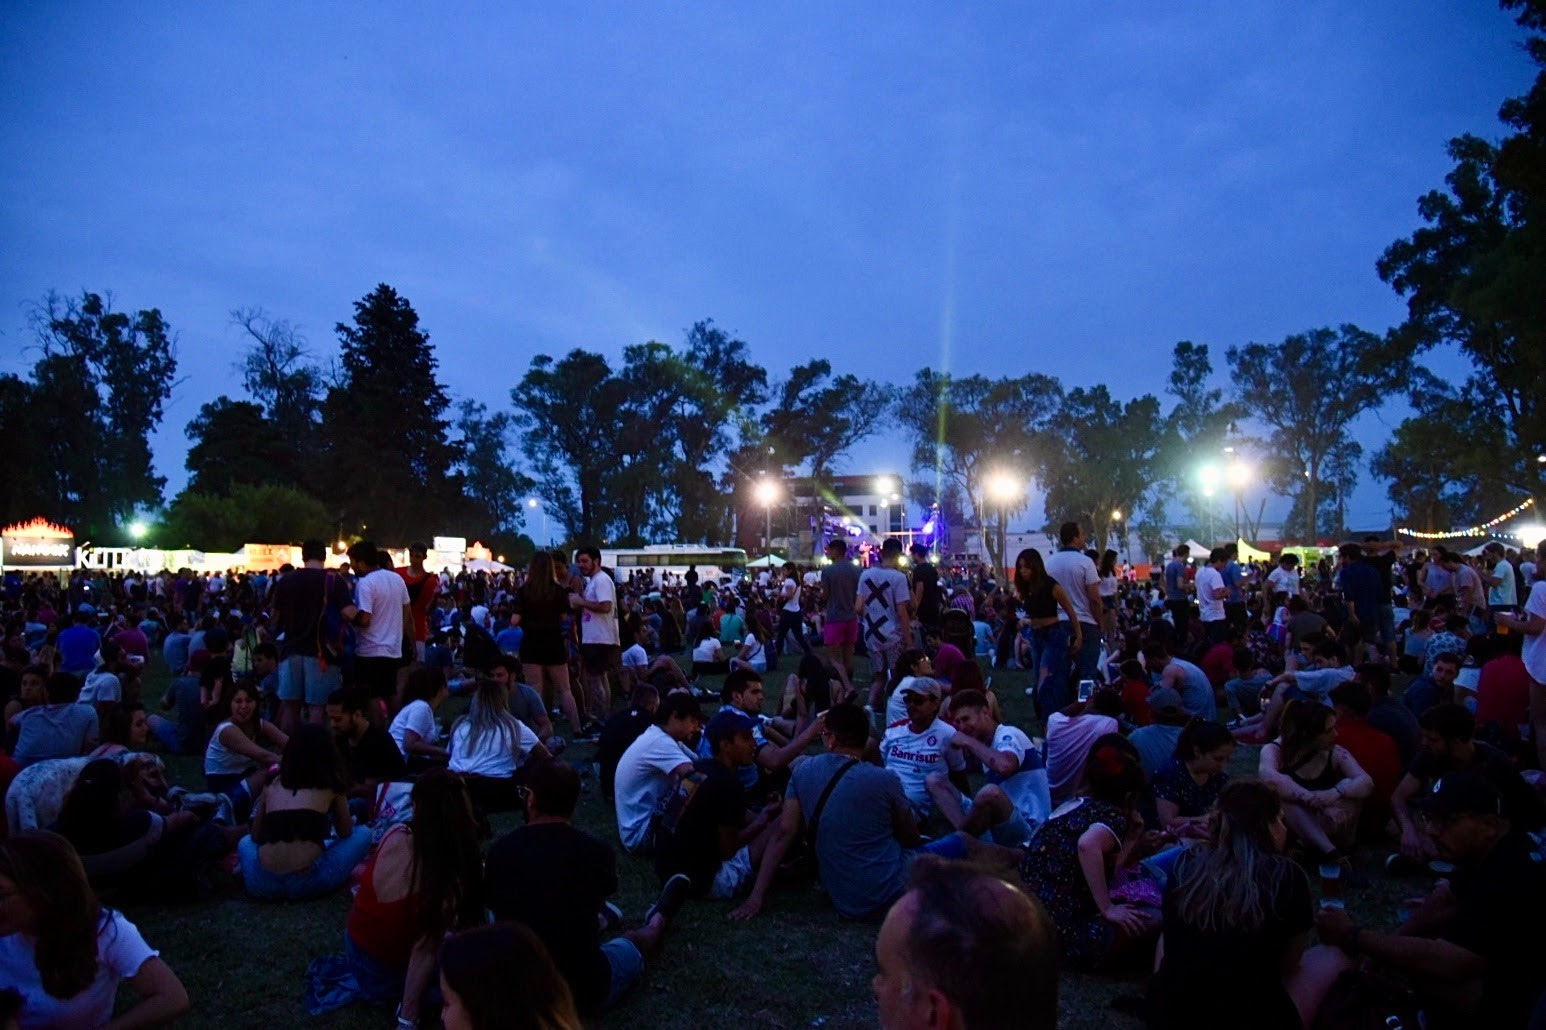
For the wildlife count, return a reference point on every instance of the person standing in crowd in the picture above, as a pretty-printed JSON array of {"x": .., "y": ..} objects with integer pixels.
[
  {"x": 840, "y": 587},
  {"x": 882, "y": 605},
  {"x": 1056, "y": 632},
  {"x": 384, "y": 625},
  {"x": 423, "y": 586},
  {"x": 598, "y": 637},
  {"x": 1178, "y": 601},
  {"x": 1532, "y": 623},
  {"x": 962, "y": 948},
  {"x": 1211, "y": 595},
  {"x": 791, "y": 619},
  {"x": 927, "y": 601},
  {"x": 541, "y": 605},
  {"x": 1075, "y": 571},
  {"x": 311, "y": 608}
]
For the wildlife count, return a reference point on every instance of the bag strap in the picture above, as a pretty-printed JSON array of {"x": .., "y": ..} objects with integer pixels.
[{"x": 821, "y": 803}]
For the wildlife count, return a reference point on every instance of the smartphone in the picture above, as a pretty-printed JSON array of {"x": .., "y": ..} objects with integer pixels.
[{"x": 1086, "y": 688}]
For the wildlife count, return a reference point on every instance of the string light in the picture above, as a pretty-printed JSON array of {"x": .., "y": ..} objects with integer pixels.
[{"x": 1482, "y": 529}]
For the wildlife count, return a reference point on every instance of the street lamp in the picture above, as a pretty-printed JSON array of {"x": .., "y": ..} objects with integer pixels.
[
  {"x": 1116, "y": 517},
  {"x": 767, "y": 496},
  {"x": 137, "y": 529},
  {"x": 1239, "y": 476},
  {"x": 1003, "y": 488},
  {"x": 1208, "y": 475},
  {"x": 532, "y": 503}
]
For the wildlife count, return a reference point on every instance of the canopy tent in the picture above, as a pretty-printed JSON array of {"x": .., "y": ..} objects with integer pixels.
[
  {"x": 1198, "y": 550},
  {"x": 1249, "y": 553},
  {"x": 767, "y": 561},
  {"x": 485, "y": 565},
  {"x": 1479, "y": 548}
]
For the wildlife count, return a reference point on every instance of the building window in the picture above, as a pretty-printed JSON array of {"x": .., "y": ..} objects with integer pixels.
[
  {"x": 873, "y": 531},
  {"x": 872, "y": 511}
]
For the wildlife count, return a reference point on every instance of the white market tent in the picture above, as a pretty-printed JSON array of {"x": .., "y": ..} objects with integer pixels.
[
  {"x": 485, "y": 565},
  {"x": 1198, "y": 549},
  {"x": 769, "y": 561},
  {"x": 1479, "y": 548}
]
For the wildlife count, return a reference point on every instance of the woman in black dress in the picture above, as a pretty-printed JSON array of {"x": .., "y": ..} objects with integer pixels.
[{"x": 540, "y": 606}]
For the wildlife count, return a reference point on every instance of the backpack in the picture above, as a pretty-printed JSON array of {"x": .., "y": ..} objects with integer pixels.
[{"x": 332, "y": 633}]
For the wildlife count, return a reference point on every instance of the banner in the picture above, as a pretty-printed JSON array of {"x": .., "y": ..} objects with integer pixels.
[{"x": 38, "y": 544}]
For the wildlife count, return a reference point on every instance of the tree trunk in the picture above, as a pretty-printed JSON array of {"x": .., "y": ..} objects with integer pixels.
[{"x": 1309, "y": 516}]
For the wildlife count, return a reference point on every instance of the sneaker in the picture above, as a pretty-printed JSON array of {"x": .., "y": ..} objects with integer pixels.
[
  {"x": 611, "y": 918},
  {"x": 672, "y": 897}
]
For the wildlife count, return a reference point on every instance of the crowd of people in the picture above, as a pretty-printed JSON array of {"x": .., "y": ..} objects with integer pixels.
[{"x": 1395, "y": 701}]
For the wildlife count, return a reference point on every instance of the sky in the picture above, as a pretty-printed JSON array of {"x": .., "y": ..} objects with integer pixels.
[{"x": 1002, "y": 188}]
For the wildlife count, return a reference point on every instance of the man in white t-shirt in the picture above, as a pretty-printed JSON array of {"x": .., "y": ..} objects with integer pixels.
[
  {"x": 1532, "y": 623},
  {"x": 598, "y": 637},
  {"x": 883, "y": 605},
  {"x": 383, "y": 627},
  {"x": 1016, "y": 799},
  {"x": 1284, "y": 579},
  {"x": 920, "y": 745},
  {"x": 646, "y": 770},
  {"x": 1076, "y": 572},
  {"x": 637, "y": 667},
  {"x": 790, "y": 619},
  {"x": 1211, "y": 593}
]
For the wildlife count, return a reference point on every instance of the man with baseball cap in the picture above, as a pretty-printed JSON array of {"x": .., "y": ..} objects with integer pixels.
[
  {"x": 919, "y": 745},
  {"x": 1475, "y": 950},
  {"x": 704, "y": 831}
]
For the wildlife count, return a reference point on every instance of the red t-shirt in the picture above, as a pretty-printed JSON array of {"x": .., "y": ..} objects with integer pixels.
[
  {"x": 1135, "y": 700},
  {"x": 1503, "y": 695},
  {"x": 1376, "y": 753},
  {"x": 421, "y": 594},
  {"x": 1219, "y": 663}
]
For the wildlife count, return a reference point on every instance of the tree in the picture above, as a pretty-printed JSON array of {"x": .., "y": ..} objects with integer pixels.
[
  {"x": 251, "y": 513},
  {"x": 384, "y": 437},
  {"x": 1102, "y": 457},
  {"x": 234, "y": 443},
  {"x": 1197, "y": 428},
  {"x": 494, "y": 488},
  {"x": 565, "y": 421},
  {"x": 280, "y": 375},
  {"x": 1474, "y": 276},
  {"x": 719, "y": 387},
  {"x": 964, "y": 430},
  {"x": 1307, "y": 390},
  {"x": 96, "y": 394}
]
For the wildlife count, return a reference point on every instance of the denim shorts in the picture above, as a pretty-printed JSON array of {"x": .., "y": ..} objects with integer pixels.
[
  {"x": 627, "y": 964},
  {"x": 304, "y": 679}
]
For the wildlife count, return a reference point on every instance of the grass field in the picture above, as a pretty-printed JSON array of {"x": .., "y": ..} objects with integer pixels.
[{"x": 796, "y": 965}]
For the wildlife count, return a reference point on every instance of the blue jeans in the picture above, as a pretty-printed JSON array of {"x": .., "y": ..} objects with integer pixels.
[
  {"x": 1089, "y": 653},
  {"x": 325, "y": 875},
  {"x": 1049, "y": 650},
  {"x": 1245, "y": 694}
]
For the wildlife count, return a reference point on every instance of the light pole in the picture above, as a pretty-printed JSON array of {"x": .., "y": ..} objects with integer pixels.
[
  {"x": 1116, "y": 517},
  {"x": 1239, "y": 476},
  {"x": 1209, "y": 476},
  {"x": 767, "y": 495},
  {"x": 1003, "y": 488},
  {"x": 531, "y": 502}
]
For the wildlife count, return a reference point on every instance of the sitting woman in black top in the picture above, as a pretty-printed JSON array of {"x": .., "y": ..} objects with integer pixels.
[
  {"x": 1186, "y": 788},
  {"x": 1236, "y": 921}
]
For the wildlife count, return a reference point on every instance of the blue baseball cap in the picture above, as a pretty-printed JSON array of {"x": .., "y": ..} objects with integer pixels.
[{"x": 726, "y": 724}]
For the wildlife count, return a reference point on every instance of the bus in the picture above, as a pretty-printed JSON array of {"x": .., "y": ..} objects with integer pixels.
[{"x": 656, "y": 561}]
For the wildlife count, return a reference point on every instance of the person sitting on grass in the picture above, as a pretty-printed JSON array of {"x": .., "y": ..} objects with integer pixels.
[
  {"x": 1070, "y": 735},
  {"x": 1373, "y": 750},
  {"x": 289, "y": 854},
  {"x": 645, "y": 770},
  {"x": 1071, "y": 862},
  {"x": 414, "y": 729},
  {"x": 857, "y": 821},
  {"x": 369, "y": 753},
  {"x": 910, "y": 664},
  {"x": 1306, "y": 684},
  {"x": 1473, "y": 951},
  {"x": 816, "y": 685},
  {"x": 125, "y": 728},
  {"x": 241, "y": 751},
  {"x": 742, "y": 692},
  {"x": 1243, "y": 692},
  {"x": 59, "y": 728},
  {"x": 662, "y": 672},
  {"x": 425, "y": 879},
  {"x": 704, "y": 830},
  {"x": 621, "y": 730},
  {"x": 502, "y": 976},
  {"x": 1237, "y": 916},
  {"x": 919, "y": 745},
  {"x": 962, "y": 948},
  {"x": 1320, "y": 784},
  {"x": 1187, "y": 787},
  {"x": 64, "y": 953},
  {"x": 556, "y": 879},
  {"x": 489, "y": 747},
  {"x": 1016, "y": 798},
  {"x": 1186, "y": 679},
  {"x": 1450, "y": 746}
]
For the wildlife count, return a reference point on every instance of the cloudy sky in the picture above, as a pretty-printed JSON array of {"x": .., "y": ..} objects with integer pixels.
[{"x": 1058, "y": 187}]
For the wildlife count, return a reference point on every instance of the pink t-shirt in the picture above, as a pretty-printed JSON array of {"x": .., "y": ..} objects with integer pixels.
[{"x": 1069, "y": 739}]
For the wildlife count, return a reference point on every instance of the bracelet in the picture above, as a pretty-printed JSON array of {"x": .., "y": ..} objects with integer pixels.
[{"x": 403, "y": 1022}]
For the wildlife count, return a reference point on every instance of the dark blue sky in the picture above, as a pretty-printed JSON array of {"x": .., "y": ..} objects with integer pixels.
[{"x": 1066, "y": 188}]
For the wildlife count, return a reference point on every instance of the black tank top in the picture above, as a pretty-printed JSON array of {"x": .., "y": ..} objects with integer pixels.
[
  {"x": 292, "y": 824},
  {"x": 1040, "y": 602}
]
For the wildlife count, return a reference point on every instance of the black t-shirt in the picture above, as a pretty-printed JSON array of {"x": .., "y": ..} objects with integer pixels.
[
  {"x": 928, "y": 604},
  {"x": 1231, "y": 978},
  {"x": 299, "y": 601},
  {"x": 554, "y": 878},
  {"x": 620, "y": 730},
  {"x": 375, "y": 757},
  {"x": 1502, "y": 909},
  {"x": 1385, "y": 564},
  {"x": 1521, "y": 804},
  {"x": 687, "y": 835}
]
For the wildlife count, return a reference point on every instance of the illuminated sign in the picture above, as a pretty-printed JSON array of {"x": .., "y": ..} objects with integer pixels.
[{"x": 38, "y": 544}]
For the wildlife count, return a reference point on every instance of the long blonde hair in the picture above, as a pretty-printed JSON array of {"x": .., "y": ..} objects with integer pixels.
[{"x": 1229, "y": 883}]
